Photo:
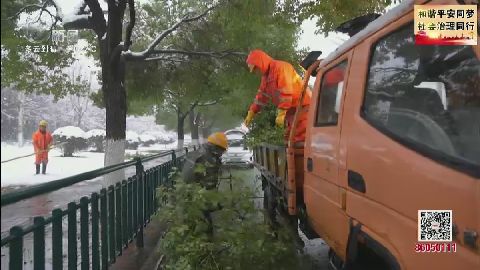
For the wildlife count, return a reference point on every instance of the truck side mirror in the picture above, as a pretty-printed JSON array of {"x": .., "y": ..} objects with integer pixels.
[{"x": 309, "y": 60}]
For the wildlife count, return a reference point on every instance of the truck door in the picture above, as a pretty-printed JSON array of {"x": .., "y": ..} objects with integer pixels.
[
  {"x": 321, "y": 193},
  {"x": 413, "y": 141}
]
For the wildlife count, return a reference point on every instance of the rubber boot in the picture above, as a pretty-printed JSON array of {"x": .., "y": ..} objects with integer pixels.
[
  {"x": 37, "y": 167},
  {"x": 44, "y": 168}
]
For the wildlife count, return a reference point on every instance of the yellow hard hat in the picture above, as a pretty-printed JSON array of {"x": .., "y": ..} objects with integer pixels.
[
  {"x": 43, "y": 123},
  {"x": 218, "y": 139}
]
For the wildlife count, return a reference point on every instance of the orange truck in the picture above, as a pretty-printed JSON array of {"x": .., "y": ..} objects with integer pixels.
[{"x": 389, "y": 174}]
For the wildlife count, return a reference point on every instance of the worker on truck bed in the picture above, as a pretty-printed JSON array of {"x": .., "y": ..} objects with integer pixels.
[
  {"x": 42, "y": 141},
  {"x": 203, "y": 167},
  {"x": 282, "y": 86}
]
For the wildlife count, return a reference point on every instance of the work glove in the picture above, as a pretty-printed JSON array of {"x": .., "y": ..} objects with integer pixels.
[
  {"x": 249, "y": 118},
  {"x": 280, "y": 120}
]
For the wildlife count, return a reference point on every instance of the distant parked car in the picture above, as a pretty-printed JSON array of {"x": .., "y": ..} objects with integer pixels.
[{"x": 238, "y": 153}]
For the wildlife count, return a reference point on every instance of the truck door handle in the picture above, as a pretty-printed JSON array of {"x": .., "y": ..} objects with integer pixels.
[
  {"x": 355, "y": 181},
  {"x": 309, "y": 164}
]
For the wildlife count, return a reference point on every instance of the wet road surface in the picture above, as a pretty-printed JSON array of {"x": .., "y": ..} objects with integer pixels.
[{"x": 22, "y": 213}]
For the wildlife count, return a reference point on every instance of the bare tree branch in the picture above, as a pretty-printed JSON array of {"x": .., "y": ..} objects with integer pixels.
[
  {"x": 131, "y": 24},
  {"x": 214, "y": 54},
  {"x": 144, "y": 54},
  {"x": 164, "y": 59},
  {"x": 8, "y": 115},
  {"x": 210, "y": 103},
  {"x": 170, "y": 92},
  {"x": 42, "y": 7},
  {"x": 192, "y": 106}
]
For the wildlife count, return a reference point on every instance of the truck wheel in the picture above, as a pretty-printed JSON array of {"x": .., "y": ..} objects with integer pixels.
[{"x": 334, "y": 262}]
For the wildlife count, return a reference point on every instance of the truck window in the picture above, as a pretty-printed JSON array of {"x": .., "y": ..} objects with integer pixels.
[
  {"x": 329, "y": 101},
  {"x": 427, "y": 98}
]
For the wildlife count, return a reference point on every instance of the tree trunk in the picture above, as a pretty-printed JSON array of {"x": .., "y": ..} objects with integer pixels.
[
  {"x": 193, "y": 127},
  {"x": 200, "y": 125},
  {"x": 114, "y": 95},
  {"x": 205, "y": 132},
  {"x": 21, "y": 108},
  {"x": 180, "y": 130}
]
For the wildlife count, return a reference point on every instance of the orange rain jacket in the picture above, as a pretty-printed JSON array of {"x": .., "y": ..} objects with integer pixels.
[
  {"x": 41, "y": 142},
  {"x": 282, "y": 86}
]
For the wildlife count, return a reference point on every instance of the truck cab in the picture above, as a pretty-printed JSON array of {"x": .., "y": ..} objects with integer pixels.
[{"x": 393, "y": 133}]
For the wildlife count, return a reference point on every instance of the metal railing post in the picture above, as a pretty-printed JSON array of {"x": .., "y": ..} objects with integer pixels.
[
  {"x": 104, "y": 228},
  {"x": 84, "y": 234},
  {"x": 118, "y": 214},
  {"x": 57, "y": 239},
  {"x": 16, "y": 248},
  {"x": 118, "y": 218},
  {"x": 95, "y": 233},
  {"x": 39, "y": 243},
  {"x": 140, "y": 212},
  {"x": 72, "y": 236}
]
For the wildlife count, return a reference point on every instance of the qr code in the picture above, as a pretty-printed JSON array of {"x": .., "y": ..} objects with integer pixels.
[{"x": 434, "y": 225}]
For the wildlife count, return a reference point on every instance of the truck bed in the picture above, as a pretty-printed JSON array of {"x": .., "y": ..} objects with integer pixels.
[{"x": 271, "y": 161}]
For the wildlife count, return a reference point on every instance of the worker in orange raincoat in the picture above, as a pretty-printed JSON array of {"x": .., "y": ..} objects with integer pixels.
[
  {"x": 42, "y": 141},
  {"x": 282, "y": 86}
]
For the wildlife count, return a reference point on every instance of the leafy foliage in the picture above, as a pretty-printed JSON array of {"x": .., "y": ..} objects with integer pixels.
[
  {"x": 175, "y": 84},
  {"x": 264, "y": 130},
  {"x": 330, "y": 14},
  {"x": 72, "y": 144},
  {"x": 31, "y": 71},
  {"x": 241, "y": 239},
  {"x": 97, "y": 142}
]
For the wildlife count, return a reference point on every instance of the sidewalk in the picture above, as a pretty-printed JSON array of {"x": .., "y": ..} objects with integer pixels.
[{"x": 145, "y": 258}]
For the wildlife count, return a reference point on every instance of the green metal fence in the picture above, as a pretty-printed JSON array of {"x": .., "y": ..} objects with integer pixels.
[{"x": 116, "y": 216}]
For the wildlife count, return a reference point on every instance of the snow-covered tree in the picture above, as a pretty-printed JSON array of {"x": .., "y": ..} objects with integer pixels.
[
  {"x": 74, "y": 139},
  {"x": 96, "y": 139},
  {"x": 132, "y": 140}
]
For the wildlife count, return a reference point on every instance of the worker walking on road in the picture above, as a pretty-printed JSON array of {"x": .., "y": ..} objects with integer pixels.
[
  {"x": 42, "y": 141},
  {"x": 282, "y": 86},
  {"x": 203, "y": 167}
]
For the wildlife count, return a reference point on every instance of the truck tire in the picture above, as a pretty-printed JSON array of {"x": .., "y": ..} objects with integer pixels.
[{"x": 334, "y": 262}]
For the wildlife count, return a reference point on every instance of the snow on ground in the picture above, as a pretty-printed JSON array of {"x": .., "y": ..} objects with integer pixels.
[
  {"x": 22, "y": 171},
  {"x": 146, "y": 137}
]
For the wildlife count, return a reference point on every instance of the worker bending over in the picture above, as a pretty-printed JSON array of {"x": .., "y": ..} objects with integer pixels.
[
  {"x": 282, "y": 86},
  {"x": 203, "y": 167}
]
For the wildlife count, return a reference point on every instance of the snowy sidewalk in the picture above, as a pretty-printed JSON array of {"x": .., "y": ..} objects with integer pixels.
[{"x": 21, "y": 172}]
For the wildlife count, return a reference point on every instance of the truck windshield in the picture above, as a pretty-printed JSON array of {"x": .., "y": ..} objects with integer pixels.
[{"x": 426, "y": 97}]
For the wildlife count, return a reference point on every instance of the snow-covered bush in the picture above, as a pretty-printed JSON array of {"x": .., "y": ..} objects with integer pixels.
[
  {"x": 73, "y": 137},
  {"x": 132, "y": 140},
  {"x": 96, "y": 139},
  {"x": 161, "y": 136},
  {"x": 147, "y": 139}
]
